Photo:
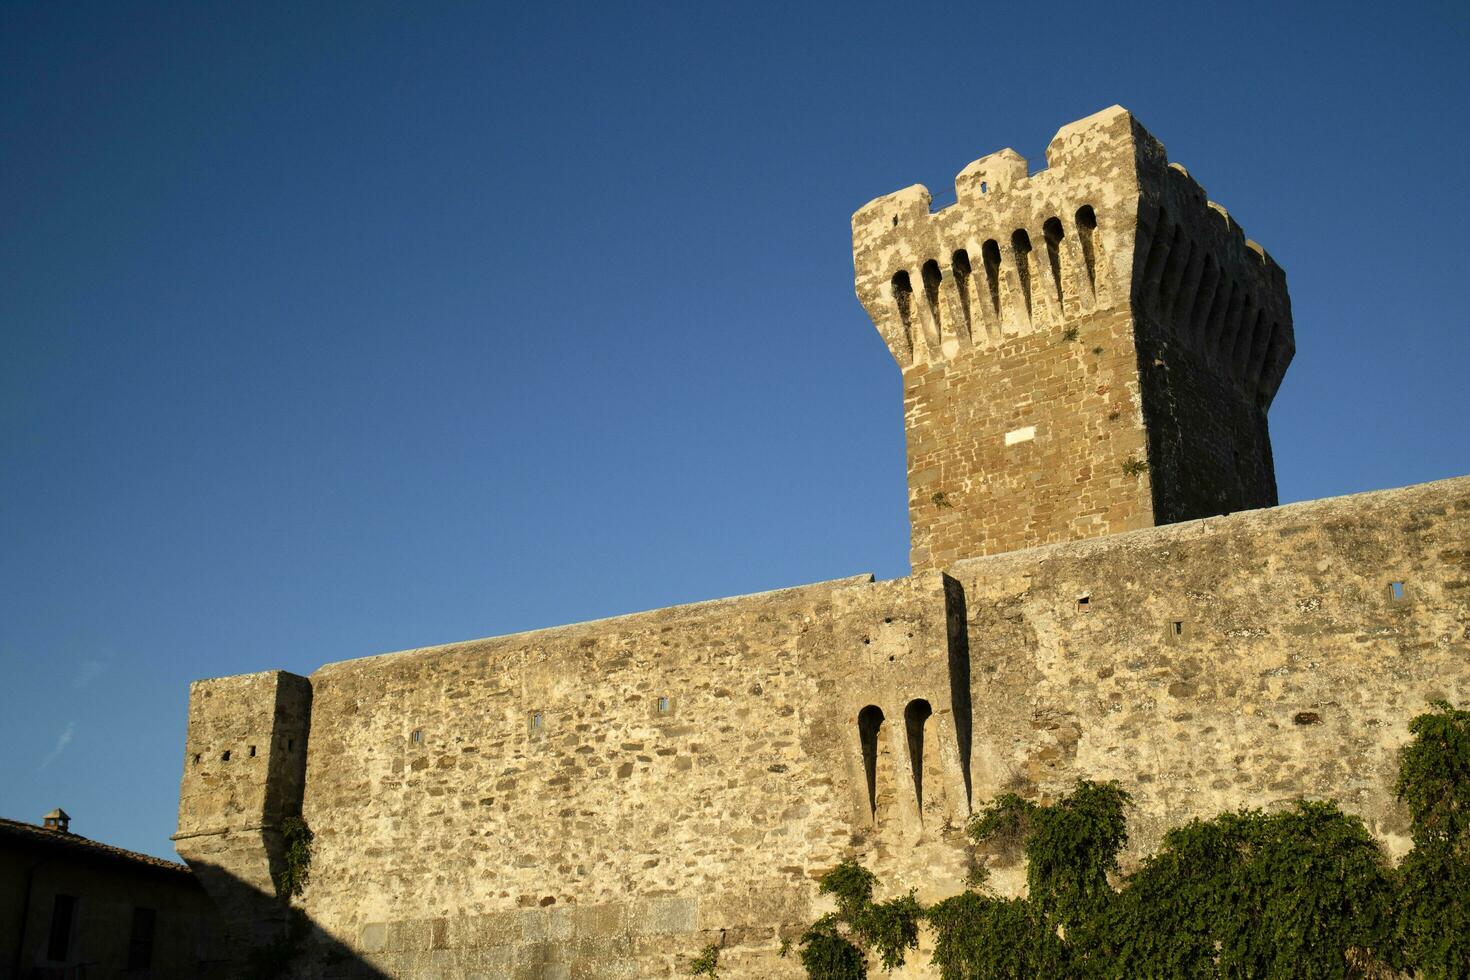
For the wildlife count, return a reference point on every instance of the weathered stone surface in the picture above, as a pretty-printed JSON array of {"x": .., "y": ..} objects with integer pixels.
[
  {"x": 606, "y": 799},
  {"x": 1085, "y": 350}
]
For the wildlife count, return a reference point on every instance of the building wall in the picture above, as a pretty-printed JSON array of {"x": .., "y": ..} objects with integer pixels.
[
  {"x": 615, "y": 841},
  {"x": 1248, "y": 660},
  {"x": 1037, "y": 441},
  {"x": 186, "y": 938}
]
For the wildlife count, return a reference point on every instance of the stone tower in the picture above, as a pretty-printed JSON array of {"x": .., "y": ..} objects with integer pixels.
[
  {"x": 244, "y": 773},
  {"x": 1085, "y": 350}
]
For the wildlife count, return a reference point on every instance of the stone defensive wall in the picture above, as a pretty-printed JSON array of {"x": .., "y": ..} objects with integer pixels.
[{"x": 606, "y": 799}]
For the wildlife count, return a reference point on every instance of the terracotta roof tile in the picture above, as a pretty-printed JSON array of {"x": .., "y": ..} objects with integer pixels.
[{"x": 28, "y": 834}]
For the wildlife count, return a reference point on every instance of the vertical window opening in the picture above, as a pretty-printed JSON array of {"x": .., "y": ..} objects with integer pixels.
[
  {"x": 63, "y": 914},
  {"x": 1086, "y": 229},
  {"x": 252, "y": 751},
  {"x": 1204, "y": 297},
  {"x": 1215, "y": 319},
  {"x": 914, "y": 718},
  {"x": 663, "y": 706},
  {"x": 225, "y": 756},
  {"x": 537, "y": 721},
  {"x": 1052, "y": 231},
  {"x": 990, "y": 255},
  {"x": 903, "y": 298},
  {"x": 1021, "y": 245},
  {"x": 1160, "y": 257},
  {"x": 1175, "y": 269},
  {"x": 1396, "y": 591},
  {"x": 931, "y": 276},
  {"x": 417, "y": 738},
  {"x": 870, "y": 722},
  {"x": 959, "y": 266},
  {"x": 1240, "y": 349},
  {"x": 140, "y": 943}
]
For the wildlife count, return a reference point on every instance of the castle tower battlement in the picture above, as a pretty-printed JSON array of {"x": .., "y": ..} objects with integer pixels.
[{"x": 1088, "y": 349}]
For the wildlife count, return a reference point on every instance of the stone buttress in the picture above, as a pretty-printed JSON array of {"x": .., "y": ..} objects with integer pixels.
[{"x": 244, "y": 773}]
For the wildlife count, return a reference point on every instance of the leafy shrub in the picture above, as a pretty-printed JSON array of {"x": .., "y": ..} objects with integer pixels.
[
  {"x": 1301, "y": 893},
  {"x": 297, "y": 871}
]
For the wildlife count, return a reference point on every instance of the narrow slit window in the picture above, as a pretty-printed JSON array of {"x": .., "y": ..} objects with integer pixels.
[
  {"x": 932, "y": 277},
  {"x": 990, "y": 254},
  {"x": 537, "y": 721},
  {"x": 198, "y": 757},
  {"x": 1052, "y": 229},
  {"x": 870, "y": 722},
  {"x": 959, "y": 265},
  {"x": 1086, "y": 232},
  {"x": 903, "y": 298},
  {"x": 1178, "y": 627},
  {"x": 417, "y": 738},
  {"x": 1021, "y": 246},
  {"x": 1396, "y": 591},
  {"x": 290, "y": 745},
  {"x": 225, "y": 756},
  {"x": 252, "y": 751},
  {"x": 915, "y": 716},
  {"x": 664, "y": 706}
]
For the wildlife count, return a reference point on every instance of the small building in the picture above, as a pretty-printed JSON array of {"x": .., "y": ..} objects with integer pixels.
[{"x": 77, "y": 908}]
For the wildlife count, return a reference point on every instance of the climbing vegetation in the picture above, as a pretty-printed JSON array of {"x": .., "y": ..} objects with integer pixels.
[
  {"x": 707, "y": 963},
  {"x": 297, "y": 837},
  {"x": 1304, "y": 892}
]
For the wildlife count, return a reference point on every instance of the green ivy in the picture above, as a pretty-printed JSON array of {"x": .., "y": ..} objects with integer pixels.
[
  {"x": 707, "y": 963},
  {"x": 1432, "y": 926},
  {"x": 837, "y": 945},
  {"x": 297, "y": 837},
  {"x": 827, "y": 955},
  {"x": 982, "y": 936},
  {"x": 1300, "y": 893}
]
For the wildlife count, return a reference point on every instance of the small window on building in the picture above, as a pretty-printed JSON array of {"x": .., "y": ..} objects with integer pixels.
[
  {"x": 63, "y": 917},
  {"x": 664, "y": 706},
  {"x": 140, "y": 945},
  {"x": 417, "y": 738},
  {"x": 1396, "y": 591},
  {"x": 290, "y": 744},
  {"x": 537, "y": 721},
  {"x": 252, "y": 751},
  {"x": 1084, "y": 603},
  {"x": 198, "y": 757},
  {"x": 225, "y": 756},
  {"x": 1178, "y": 627}
]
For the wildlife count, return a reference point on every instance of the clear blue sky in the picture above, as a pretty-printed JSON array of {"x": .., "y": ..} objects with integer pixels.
[{"x": 335, "y": 329}]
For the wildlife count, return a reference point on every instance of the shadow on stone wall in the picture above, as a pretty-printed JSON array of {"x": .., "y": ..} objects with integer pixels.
[
  {"x": 959, "y": 676},
  {"x": 267, "y": 938}
]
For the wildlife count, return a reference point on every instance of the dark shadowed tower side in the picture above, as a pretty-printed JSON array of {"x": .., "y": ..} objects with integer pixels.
[
  {"x": 244, "y": 776},
  {"x": 1085, "y": 350}
]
